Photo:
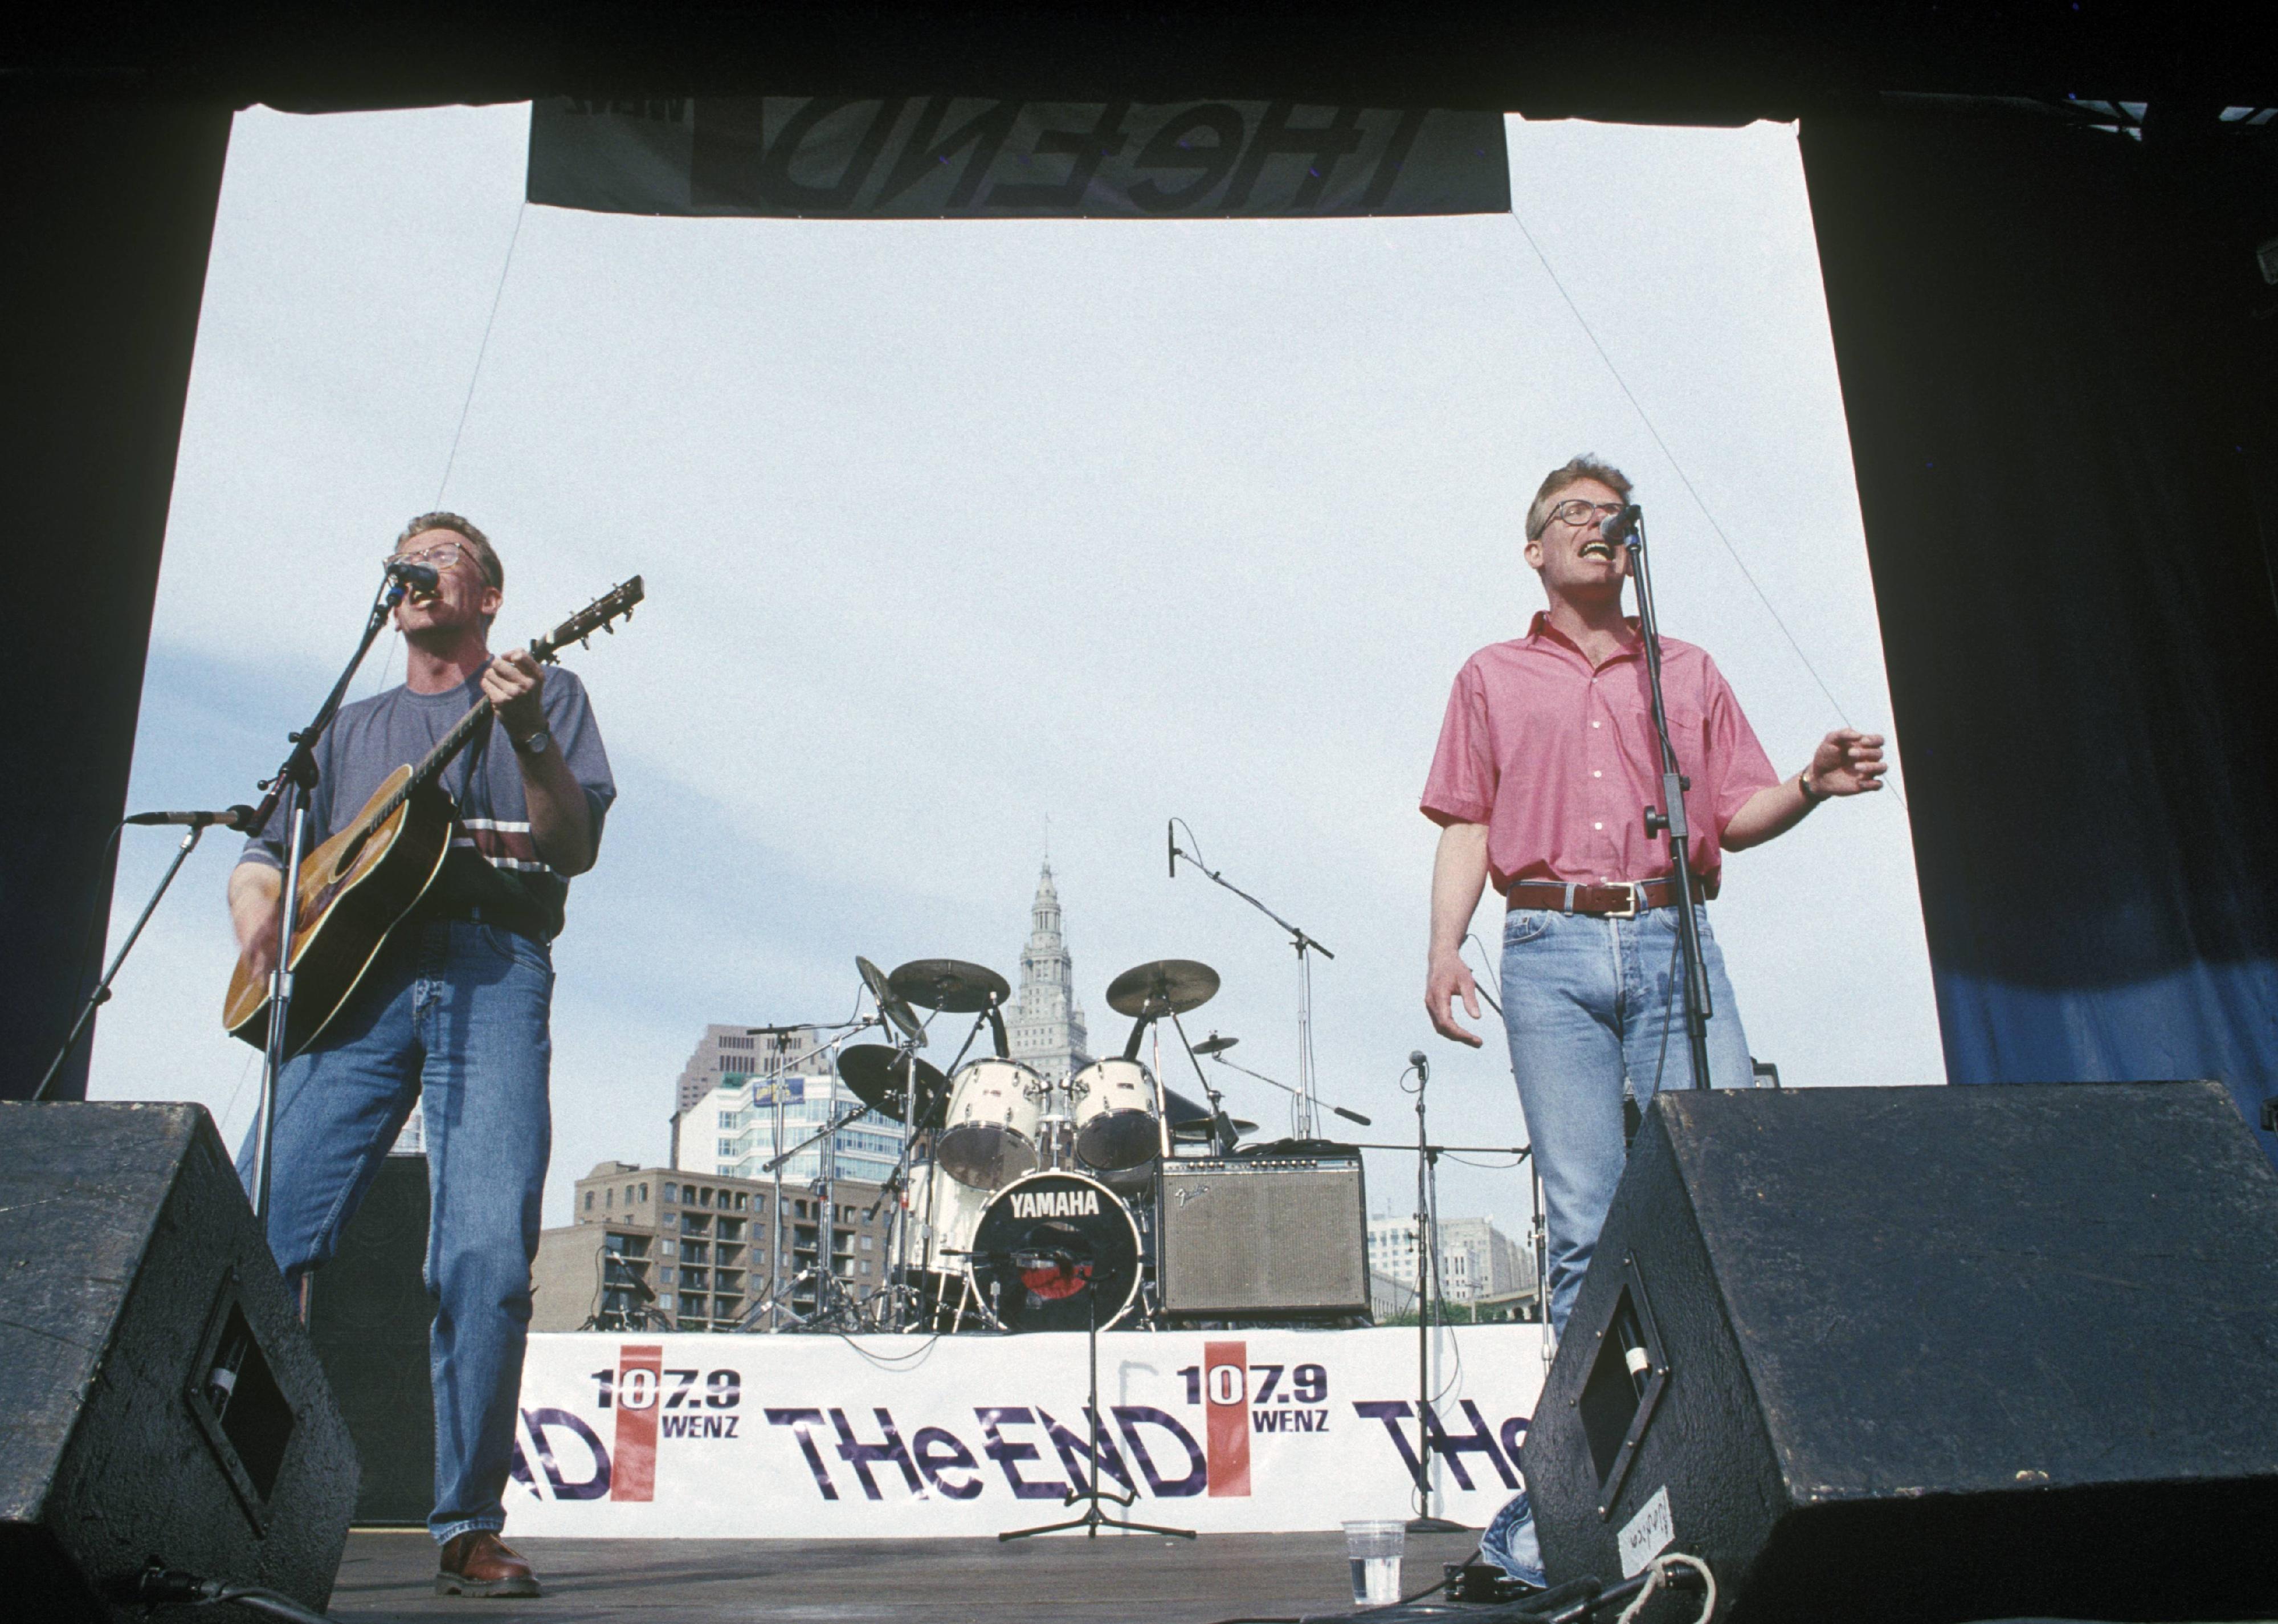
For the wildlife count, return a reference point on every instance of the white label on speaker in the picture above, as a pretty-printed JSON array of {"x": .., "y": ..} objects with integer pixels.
[{"x": 1647, "y": 1535}]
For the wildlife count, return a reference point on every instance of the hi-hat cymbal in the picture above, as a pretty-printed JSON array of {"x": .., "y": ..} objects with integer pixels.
[
  {"x": 889, "y": 1002},
  {"x": 875, "y": 1074},
  {"x": 1215, "y": 1045},
  {"x": 950, "y": 985},
  {"x": 1168, "y": 986}
]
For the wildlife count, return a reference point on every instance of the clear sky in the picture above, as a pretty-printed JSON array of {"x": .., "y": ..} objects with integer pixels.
[{"x": 951, "y": 528}]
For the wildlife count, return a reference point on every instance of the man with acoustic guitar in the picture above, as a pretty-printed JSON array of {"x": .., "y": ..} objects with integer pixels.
[{"x": 454, "y": 1011}]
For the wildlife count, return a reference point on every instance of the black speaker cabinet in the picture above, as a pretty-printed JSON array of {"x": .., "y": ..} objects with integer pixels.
[
  {"x": 163, "y": 1399},
  {"x": 1244, "y": 1237},
  {"x": 1929, "y": 1354},
  {"x": 368, "y": 1313}
]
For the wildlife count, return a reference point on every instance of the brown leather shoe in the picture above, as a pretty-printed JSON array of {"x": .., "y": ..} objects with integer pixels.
[{"x": 480, "y": 1564}]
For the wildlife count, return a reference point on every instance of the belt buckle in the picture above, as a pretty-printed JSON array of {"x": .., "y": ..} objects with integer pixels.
[{"x": 1635, "y": 889}]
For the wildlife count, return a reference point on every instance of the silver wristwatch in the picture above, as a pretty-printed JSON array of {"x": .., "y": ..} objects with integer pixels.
[{"x": 535, "y": 744}]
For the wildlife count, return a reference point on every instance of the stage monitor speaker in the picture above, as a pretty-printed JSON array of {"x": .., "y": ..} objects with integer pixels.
[
  {"x": 1242, "y": 1237},
  {"x": 1920, "y": 1355},
  {"x": 164, "y": 1400},
  {"x": 368, "y": 1314}
]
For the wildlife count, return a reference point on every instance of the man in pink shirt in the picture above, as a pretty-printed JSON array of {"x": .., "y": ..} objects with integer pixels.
[{"x": 1545, "y": 764}]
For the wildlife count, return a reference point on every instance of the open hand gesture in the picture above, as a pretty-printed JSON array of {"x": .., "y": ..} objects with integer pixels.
[{"x": 1848, "y": 763}]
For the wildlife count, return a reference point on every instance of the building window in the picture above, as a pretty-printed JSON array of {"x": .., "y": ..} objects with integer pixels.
[
  {"x": 865, "y": 1246},
  {"x": 589, "y": 1200},
  {"x": 704, "y": 1197},
  {"x": 609, "y": 1197},
  {"x": 644, "y": 1189},
  {"x": 671, "y": 1194},
  {"x": 742, "y": 1201}
]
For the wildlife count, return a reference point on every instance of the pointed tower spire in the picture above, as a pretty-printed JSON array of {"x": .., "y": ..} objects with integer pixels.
[{"x": 1046, "y": 1028}]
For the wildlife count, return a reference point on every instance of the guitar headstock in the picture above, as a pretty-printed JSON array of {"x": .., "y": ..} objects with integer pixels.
[{"x": 601, "y": 615}]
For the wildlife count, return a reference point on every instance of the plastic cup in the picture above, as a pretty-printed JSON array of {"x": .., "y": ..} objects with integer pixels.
[{"x": 1372, "y": 1548}]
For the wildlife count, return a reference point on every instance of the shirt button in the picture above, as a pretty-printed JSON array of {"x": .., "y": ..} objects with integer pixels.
[
  {"x": 1595, "y": 773},
  {"x": 1593, "y": 725},
  {"x": 1597, "y": 825}
]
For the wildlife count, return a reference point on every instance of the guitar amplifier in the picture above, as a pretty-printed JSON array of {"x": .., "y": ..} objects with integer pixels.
[{"x": 1274, "y": 1237}]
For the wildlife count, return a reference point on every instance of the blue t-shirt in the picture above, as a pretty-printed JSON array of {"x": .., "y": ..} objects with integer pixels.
[{"x": 493, "y": 864}]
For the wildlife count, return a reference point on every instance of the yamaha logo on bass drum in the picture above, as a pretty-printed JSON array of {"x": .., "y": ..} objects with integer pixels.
[{"x": 1055, "y": 1204}]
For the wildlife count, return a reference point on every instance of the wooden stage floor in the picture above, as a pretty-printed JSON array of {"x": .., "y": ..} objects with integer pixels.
[{"x": 388, "y": 1575}]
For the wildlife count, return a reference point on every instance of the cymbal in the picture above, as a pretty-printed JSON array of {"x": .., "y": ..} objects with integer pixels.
[
  {"x": 890, "y": 1003},
  {"x": 1168, "y": 986},
  {"x": 1215, "y": 1045},
  {"x": 875, "y": 1074},
  {"x": 1202, "y": 1129},
  {"x": 950, "y": 985}
]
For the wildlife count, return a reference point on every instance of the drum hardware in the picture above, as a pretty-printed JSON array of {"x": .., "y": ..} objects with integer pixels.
[
  {"x": 1307, "y": 1100},
  {"x": 1063, "y": 1251}
]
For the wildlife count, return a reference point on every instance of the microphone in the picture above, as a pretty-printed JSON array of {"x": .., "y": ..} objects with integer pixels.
[
  {"x": 423, "y": 576},
  {"x": 1616, "y": 530},
  {"x": 1170, "y": 844},
  {"x": 1417, "y": 1058},
  {"x": 238, "y": 817},
  {"x": 1351, "y": 1116}
]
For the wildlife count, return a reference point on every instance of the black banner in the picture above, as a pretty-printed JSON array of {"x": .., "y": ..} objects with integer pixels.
[{"x": 951, "y": 157}]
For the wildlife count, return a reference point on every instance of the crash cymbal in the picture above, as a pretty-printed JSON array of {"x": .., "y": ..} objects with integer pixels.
[
  {"x": 950, "y": 985},
  {"x": 1183, "y": 1110},
  {"x": 874, "y": 1073},
  {"x": 1215, "y": 1045},
  {"x": 1168, "y": 986},
  {"x": 889, "y": 1002}
]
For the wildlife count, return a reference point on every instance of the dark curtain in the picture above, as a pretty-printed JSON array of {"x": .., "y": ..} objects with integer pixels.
[
  {"x": 106, "y": 212},
  {"x": 2057, "y": 353}
]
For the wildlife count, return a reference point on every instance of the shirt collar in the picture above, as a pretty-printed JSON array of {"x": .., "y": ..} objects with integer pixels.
[{"x": 1540, "y": 630}]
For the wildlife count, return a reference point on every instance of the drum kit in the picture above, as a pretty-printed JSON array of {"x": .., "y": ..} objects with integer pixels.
[{"x": 1025, "y": 1202}]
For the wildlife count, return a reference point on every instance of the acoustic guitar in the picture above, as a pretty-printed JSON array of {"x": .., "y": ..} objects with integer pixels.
[{"x": 358, "y": 887}]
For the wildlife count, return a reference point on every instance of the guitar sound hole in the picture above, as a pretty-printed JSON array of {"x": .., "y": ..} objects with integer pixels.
[{"x": 349, "y": 854}]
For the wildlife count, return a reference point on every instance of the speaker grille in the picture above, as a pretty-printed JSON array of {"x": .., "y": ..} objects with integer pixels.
[{"x": 1250, "y": 1237}]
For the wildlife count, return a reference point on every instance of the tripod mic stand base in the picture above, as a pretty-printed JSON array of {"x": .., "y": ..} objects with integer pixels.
[
  {"x": 1438, "y": 1525},
  {"x": 1091, "y": 1522}
]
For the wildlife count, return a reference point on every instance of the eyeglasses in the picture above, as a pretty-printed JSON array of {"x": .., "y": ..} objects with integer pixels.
[
  {"x": 1578, "y": 512},
  {"x": 442, "y": 557}
]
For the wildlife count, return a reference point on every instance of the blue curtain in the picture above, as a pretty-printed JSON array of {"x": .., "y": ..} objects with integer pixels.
[{"x": 2057, "y": 356}]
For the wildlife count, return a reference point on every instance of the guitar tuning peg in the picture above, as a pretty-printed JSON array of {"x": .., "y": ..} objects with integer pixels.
[
  {"x": 586, "y": 641},
  {"x": 611, "y": 630}
]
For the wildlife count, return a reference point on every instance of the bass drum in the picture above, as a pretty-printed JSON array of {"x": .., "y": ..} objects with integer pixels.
[
  {"x": 1052, "y": 1251},
  {"x": 1118, "y": 1136},
  {"x": 990, "y": 1136}
]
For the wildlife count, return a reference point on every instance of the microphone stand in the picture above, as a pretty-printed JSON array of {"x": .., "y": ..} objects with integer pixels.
[
  {"x": 289, "y": 789},
  {"x": 1338, "y": 1110},
  {"x": 102, "y": 993},
  {"x": 1308, "y": 1104},
  {"x": 1669, "y": 818},
  {"x": 1427, "y": 1283}
]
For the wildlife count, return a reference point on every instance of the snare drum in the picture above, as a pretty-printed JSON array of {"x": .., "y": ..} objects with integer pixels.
[
  {"x": 990, "y": 1137},
  {"x": 1116, "y": 1127}
]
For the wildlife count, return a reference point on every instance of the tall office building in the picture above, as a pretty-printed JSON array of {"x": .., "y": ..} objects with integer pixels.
[
  {"x": 745, "y": 1122},
  {"x": 1045, "y": 1024}
]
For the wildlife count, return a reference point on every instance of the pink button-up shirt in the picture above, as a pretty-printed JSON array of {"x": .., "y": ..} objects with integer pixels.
[{"x": 1559, "y": 761}]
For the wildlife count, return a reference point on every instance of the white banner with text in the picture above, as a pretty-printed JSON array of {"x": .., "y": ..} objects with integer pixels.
[{"x": 858, "y": 1437}]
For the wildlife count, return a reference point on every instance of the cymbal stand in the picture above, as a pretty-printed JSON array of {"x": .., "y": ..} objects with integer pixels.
[
  {"x": 1307, "y": 1096},
  {"x": 1094, "y": 1519}
]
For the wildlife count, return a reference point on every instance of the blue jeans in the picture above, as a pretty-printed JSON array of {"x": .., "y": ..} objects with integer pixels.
[
  {"x": 456, "y": 1012},
  {"x": 1588, "y": 1002}
]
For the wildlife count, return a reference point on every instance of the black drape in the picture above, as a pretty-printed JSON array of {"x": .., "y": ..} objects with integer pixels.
[
  {"x": 106, "y": 212},
  {"x": 2056, "y": 352}
]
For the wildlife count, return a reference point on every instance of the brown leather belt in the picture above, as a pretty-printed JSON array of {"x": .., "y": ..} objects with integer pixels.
[{"x": 1621, "y": 900}]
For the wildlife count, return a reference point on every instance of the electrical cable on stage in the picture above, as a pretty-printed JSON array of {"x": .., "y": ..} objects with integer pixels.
[{"x": 160, "y": 1586}]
